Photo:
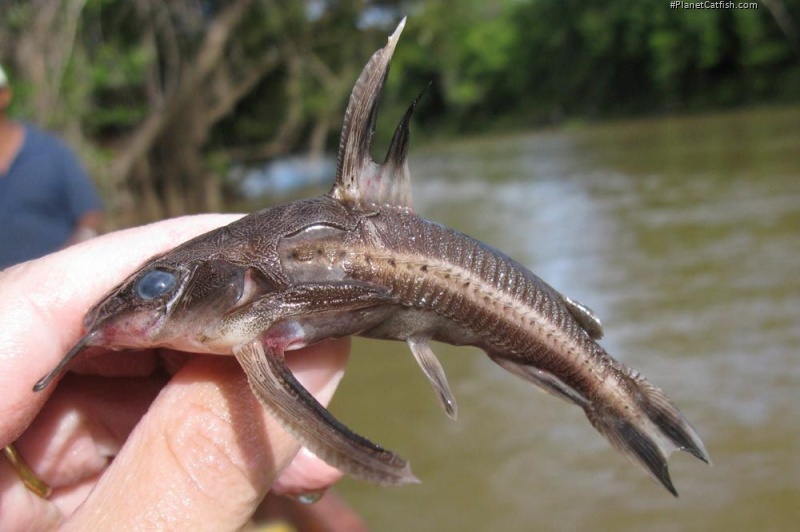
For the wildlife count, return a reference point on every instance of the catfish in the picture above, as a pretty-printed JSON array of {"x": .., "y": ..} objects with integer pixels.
[{"x": 359, "y": 261}]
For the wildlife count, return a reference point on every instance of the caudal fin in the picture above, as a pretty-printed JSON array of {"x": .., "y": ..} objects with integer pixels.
[{"x": 649, "y": 432}]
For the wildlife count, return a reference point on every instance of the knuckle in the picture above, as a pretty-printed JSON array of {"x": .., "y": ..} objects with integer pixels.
[{"x": 204, "y": 447}]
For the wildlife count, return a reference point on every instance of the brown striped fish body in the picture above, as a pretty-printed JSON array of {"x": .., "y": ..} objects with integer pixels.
[{"x": 359, "y": 261}]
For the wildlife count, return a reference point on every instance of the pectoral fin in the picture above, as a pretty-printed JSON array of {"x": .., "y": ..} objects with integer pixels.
[
  {"x": 326, "y": 310},
  {"x": 433, "y": 370},
  {"x": 296, "y": 409}
]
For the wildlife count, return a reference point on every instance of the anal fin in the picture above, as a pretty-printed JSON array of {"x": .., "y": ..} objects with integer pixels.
[{"x": 544, "y": 380}]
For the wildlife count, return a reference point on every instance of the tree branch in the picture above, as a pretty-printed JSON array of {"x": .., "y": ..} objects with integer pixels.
[
  {"x": 228, "y": 94},
  {"x": 211, "y": 50}
]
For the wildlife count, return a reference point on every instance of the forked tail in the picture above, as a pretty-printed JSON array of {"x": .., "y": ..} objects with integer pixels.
[
  {"x": 635, "y": 416},
  {"x": 648, "y": 430}
]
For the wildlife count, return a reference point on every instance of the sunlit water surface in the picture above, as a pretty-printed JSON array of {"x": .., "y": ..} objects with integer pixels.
[{"x": 682, "y": 234}]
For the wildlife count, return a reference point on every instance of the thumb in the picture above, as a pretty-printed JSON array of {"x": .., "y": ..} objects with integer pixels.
[{"x": 206, "y": 452}]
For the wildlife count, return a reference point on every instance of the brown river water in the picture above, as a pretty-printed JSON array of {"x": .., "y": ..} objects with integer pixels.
[{"x": 683, "y": 234}]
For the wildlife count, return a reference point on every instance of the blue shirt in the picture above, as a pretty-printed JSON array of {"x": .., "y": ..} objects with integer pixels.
[{"x": 42, "y": 196}]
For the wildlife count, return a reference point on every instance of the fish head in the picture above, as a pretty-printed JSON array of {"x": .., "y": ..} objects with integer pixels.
[{"x": 167, "y": 303}]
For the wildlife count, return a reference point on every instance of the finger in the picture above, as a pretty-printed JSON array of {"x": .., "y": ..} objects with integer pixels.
[
  {"x": 84, "y": 426},
  {"x": 20, "y": 508},
  {"x": 70, "y": 443},
  {"x": 42, "y": 304},
  {"x": 328, "y": 513},
  {"x": 306, "y": 475},
  {"x": 206, "y": 452}
]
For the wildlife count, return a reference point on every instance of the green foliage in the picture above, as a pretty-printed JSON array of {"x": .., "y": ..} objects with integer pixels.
[
  {"x": 542, "y": 60},
  {"x": 508, "y": 62}
]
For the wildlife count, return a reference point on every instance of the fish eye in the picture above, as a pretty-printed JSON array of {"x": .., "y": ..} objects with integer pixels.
[{"x": 155, "y": 283}]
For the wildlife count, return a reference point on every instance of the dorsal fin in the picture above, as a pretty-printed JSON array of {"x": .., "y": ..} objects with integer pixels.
[
  {"x": 359, "y": 179},
  {"x": 393, "y": 186}
]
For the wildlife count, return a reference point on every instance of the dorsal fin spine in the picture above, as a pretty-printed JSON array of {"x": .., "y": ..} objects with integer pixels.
[{"x": 359, "y": 180}]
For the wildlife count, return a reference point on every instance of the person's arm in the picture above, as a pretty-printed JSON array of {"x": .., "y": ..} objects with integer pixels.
[
  {"x": 126, "y": 444},
  {"x": 80, "y": 196},
  {"x": 88, "y": 226}
]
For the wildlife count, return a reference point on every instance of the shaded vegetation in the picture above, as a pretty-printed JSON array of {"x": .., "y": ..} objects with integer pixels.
[
  {"x": 163, "y": 97},
  {"x": 543, "y": 60}
]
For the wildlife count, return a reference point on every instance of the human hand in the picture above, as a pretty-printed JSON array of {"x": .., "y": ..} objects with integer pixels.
[{"x": 123, "y": 442}]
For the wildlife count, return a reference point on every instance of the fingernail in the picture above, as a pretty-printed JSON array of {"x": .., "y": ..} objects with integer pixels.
[{"x": 308, "y": 498}]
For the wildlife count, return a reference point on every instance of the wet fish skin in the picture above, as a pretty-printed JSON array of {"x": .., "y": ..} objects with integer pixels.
[{"x": 359, "y": 261}]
